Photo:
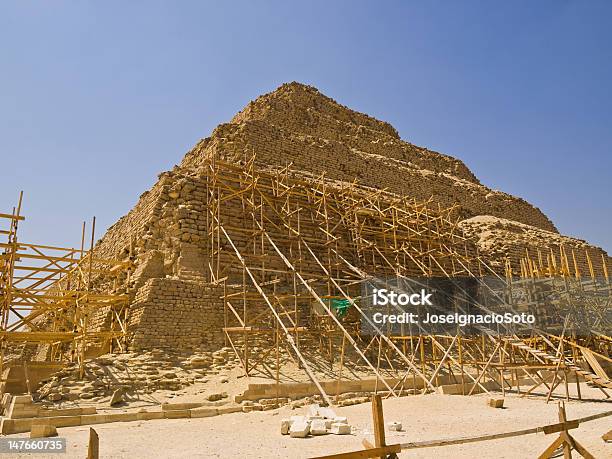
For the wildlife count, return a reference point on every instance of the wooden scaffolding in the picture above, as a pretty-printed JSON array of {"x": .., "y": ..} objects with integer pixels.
[
  {"x": 285, "y": 245},
  {"x": 58, "y": 304}
]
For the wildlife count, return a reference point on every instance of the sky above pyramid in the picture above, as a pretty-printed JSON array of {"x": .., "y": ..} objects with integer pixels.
[{"x": 96, "y": 106}]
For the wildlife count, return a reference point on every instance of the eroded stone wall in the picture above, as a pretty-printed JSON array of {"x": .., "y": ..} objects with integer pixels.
[
  {"x": 178, "y": 314},
  {"x": 498, "y": 239}
]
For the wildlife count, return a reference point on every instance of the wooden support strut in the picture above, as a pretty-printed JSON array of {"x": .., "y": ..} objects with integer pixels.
[
  {"x": 564, "y": 440},
  {"x": 286, "y": 332},
  {"x": 93, "y": 448},
  {"x": 64, "y": 287},
  {"x": 380, "y": 449},
  {"x": 329, "y": 312}
]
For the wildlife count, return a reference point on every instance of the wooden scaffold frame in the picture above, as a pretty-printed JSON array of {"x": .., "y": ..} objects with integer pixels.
[
  {"x": 300, "y": 242},
  {"x": 50, "y": 295}
]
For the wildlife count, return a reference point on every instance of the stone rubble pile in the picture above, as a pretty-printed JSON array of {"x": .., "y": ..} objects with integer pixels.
[
  {"x": 122, "y": 375},
  {"x": 499, "y": 239},
  {"x": 318, "y": 421}
]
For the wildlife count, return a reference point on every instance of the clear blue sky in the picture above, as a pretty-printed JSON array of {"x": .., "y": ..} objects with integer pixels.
[{"x": 97, "y": 98}]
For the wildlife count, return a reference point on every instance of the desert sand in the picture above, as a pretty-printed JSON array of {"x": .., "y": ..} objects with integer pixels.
[{"x": 424, "y": 417}]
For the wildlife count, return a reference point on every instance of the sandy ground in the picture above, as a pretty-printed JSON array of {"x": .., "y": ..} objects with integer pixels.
[{"x": 427, "y": 417}]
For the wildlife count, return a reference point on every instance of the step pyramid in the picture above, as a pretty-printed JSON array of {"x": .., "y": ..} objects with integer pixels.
[{"x": 296, "y": 129}]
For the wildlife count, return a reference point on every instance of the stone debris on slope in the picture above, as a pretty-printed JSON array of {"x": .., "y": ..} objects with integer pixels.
[
  {"x": 499, "y": 238},
  {"x": 121, "y": 376}
]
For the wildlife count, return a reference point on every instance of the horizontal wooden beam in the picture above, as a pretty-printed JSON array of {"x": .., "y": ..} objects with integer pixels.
[
  {"x": 261, "y": 329},
  {"x": 11, "y": 216},
  {"x": 53, "y": 337},
  {"x": 364, "y": 454}
]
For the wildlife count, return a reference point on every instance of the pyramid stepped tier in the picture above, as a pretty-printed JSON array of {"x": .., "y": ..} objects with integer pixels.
[
  {"x": 298, "y": 125},
  {"x": 499, "y": 239}
]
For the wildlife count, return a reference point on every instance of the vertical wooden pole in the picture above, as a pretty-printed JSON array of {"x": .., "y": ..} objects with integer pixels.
[
  {"x": 93, "y": 450},
  {"x": 340, "y": 370},
  {"x": 277, "y": 363},
  {"x": 27, "y": 377},
  {"x": 379, "y": 422},
  {"x": 378, "y": 364},
  {"x": 567, "y": 450},
  {"x": 461, "y": 365},
  {"x": 84, "y": 308}
]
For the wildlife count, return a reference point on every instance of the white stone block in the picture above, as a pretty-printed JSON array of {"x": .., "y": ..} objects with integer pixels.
[
  {"x": 339, "y": 428},
  {"x": 395, "y": 425},
  {"x": 299, "y": 429},
  {"x": 317, "y": 427},
  {"x": 341, "y": 419}
]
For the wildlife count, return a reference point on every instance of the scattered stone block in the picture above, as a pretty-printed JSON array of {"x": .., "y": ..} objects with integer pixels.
[
  {"x": 297, "y": 404},
  {"x": 395, "y": 426},
  {"x": 285, "y": 426},
  {"x": 313, "y": 410},
  {"x": 496, "y": 402},
  {"x": 338, "y": 428},
  {"x": 299, "y": 429},
  {"x": 117, "y": 397},
  {"x": 317, "y": 427},
  {"x": 273, "y": 401},
  {"x": 270, "y": 407}
]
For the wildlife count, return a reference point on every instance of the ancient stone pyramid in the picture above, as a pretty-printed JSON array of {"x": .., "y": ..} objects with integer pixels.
[{"x": 297, "y": 127}]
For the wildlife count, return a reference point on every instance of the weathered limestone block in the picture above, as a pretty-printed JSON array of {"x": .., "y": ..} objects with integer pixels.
[{"x": 175, "y": 313}]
